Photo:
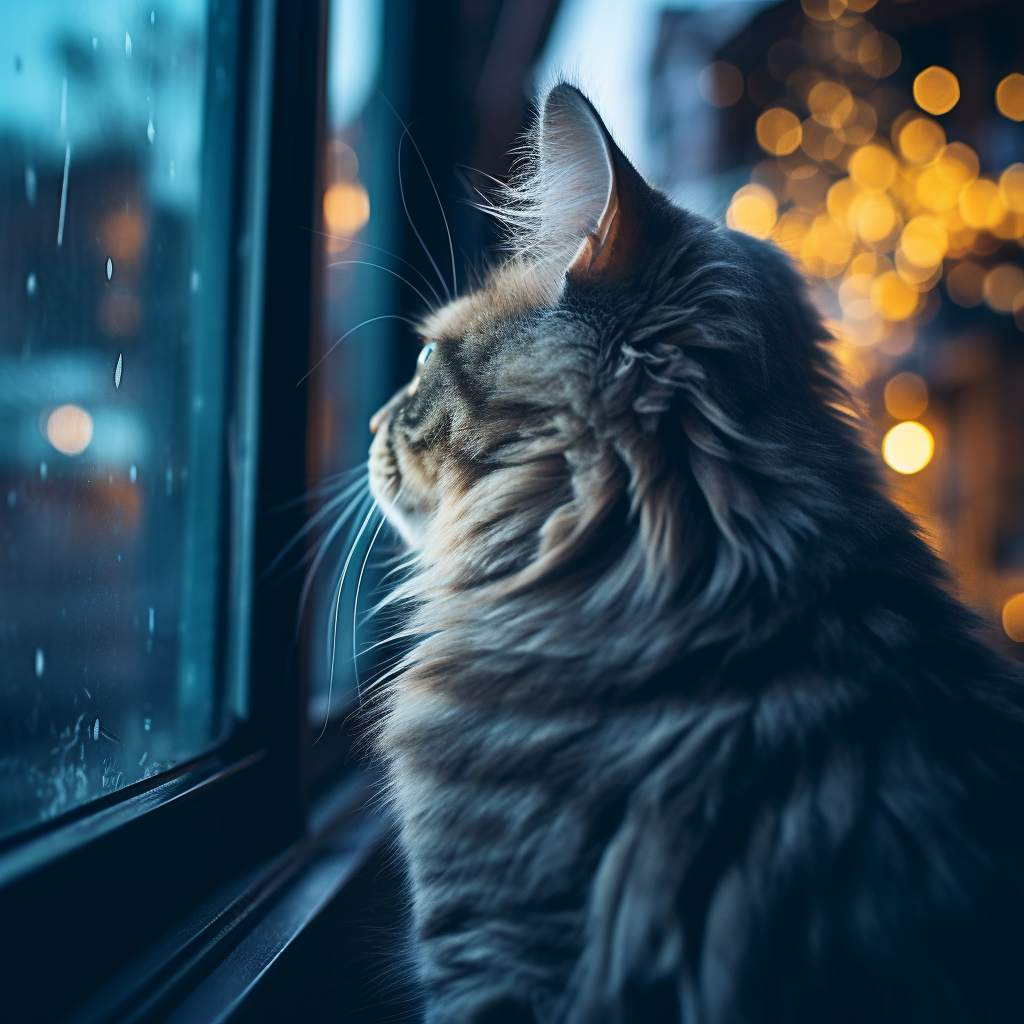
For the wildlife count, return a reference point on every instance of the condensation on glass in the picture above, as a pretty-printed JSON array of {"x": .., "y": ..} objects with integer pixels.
[{"x": 112, "y": 359}]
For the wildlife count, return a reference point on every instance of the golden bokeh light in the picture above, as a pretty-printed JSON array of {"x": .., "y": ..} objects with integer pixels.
[
  {"x": 875, "y": 217},
  {"x": 906, "y": 396},
  {"x": 878, "y": 54},
  {"x": 1003, "y": 284},
  {"x": 936, "y": 90},
  {"x": 1011, "y": 185},
  {"x": 893, "y": 297},
  {"x": 855, "y": 297},
  {"x": 1013, "y": 618},
  {"x": 831, "y": 104},
  {"x": 920, "y": 140},
  {"x": 826, "y": 247},
  {"x": 873, "y": 167},
  {"x": 922, "y": 278},
  {"x": 346, "y": 208},
  {"x": 720, "y": 84},
  {"x": 752, "y": 211},
  {"x": 957, "y": 164},
  {"x": 1010, "y": 97},
  {"x": 69, "y": 429},
  {"x": 924, "y": 241},
  {"x": 981, "y": 204},
  {"x": 779, "y": 131},
  {"x": 908, "y": 447},
  {"x": 824, "y": 10}
]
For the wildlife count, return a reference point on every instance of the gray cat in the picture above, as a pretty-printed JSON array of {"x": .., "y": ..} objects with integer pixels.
[{"x": 692, "y": 730}]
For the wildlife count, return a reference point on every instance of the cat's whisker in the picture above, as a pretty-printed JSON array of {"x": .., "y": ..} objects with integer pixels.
[
  {"x": 387, "y": 252},
  {"x": 352, "y": 330},
  {"x": 334, "y": 614},
  {"x": 401, "y": 188},
  {"x": 354, "y": 509},
  {"x": 355, "y": 604},
  {"x": 387, "y": 270},
  {"x": 347, "y": 494}
]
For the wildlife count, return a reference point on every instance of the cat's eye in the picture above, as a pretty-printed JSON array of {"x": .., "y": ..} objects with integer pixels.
[{"x": 425, "y": 353}]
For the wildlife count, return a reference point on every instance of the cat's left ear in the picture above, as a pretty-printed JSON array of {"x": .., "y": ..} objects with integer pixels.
[{"x": 591, "y": 197}]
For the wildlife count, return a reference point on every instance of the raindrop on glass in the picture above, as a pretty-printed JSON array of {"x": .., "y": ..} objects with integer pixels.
[
  {"x": 40, "y": 663},
  {"x": 95, "y": 42},
  {"x": 30, "y": 184},
  {"x": 30, "y": 284},
  {"x": 117, "y": 370},
  {"x": 152, "y": 619},
  {"x": 150, "y": 132},
  {"x": 169, "y": 480},
  {"x": 146, "y": 723},
  {"x": 133, "y": 473},
  {"x": 110, "y": 268},
  {"x": 96, "y": 729},
  {"x": 12, "y": 498},
  {"x": 172, "y": 170},
  {"x": 152, "y": 17},
  {"x": 42, "y": 470},
  {"x": 142, "y": 760},
  {"x": 194, "y": 281},
  {"x": 127, "y": 45}
]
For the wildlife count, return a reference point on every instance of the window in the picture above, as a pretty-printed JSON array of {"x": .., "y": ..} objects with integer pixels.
[{"x": 117, "y": 127}]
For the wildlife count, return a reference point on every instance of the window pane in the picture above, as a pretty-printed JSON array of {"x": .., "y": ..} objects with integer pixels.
[{"x": 116, "y": 124}]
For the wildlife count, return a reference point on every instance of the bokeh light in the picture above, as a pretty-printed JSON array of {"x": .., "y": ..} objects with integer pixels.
[
  {"x": 346, "y": 207},
  {"x": 69, "y": 429},
  {"x": 752, "y": 210},
  {"x": 965, "y": 283},
  {"x": 720, "y": 84},
  {"x": 906, "y": 396},
  {"x": 873, "y": 167},
  {"x": 779, "y": 131},
  {"x": 893, "y": 297},
  {"x": 1010, "y": 97},
  {"x": 1011, "y": 185},
  {"x": 936, "y": 90},
  {"x": 1013, "y": 618},
  {"x": 908, "y": 447},
  {"x": 1003, "y": 284},
  {"x": 920, "y": 140}
]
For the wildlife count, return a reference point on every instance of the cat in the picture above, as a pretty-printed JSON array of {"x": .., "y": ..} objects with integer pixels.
[{"x": 692, "y": 729}]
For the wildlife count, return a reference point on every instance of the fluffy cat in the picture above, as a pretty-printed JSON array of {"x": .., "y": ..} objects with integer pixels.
[{"x": 692, "y": 730}]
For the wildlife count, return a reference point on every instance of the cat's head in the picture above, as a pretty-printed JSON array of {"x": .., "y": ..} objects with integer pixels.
[{"x": 632, "y": 386}]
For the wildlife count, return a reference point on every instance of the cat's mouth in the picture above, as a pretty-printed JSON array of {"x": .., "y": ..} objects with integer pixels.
[{"x": 391, "y": 490}]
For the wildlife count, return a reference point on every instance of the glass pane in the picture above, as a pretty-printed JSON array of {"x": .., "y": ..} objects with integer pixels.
[{"x": 115, "y": 154}]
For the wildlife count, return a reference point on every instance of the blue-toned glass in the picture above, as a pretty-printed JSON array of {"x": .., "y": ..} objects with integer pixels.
[{"x": 115, "y": 168}]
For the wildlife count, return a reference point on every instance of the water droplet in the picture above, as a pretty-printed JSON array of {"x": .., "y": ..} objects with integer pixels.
[
  {"x": 40, "y": 663},
  {"x": 170, "y": 480},
  {"x": 12, "y": 498},
  {"x": 146, "y": 723},
  {"x": 172, "y": 170},
  {"x": 127, "y": 45},
  {"x": 95, "y": 42},
  {"x": 194, "y": 281},
  {"x": 96, "y": 730},
  {"x": 152, "y": 619},
  {"x": 30, "y": 184},
  {"x": 133, "y": 473},
  {"x": 150, "y": 132},
  {"x": 142, "y": 760},
  {"x": 152, "y": 17},
  {"x": 42, "y": 470},
  {"x": 117, "y": 370},
  {"x": 110, "y": 268},
  {"x": 119, "y": 558},
  {"x": 30, "y": 284}
]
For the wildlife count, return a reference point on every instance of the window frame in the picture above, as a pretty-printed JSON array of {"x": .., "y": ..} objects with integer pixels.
[{"x": 136, "y": 861}]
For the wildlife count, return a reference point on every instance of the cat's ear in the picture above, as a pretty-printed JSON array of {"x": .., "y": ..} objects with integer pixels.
[{"x": 587, "y": 189}]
